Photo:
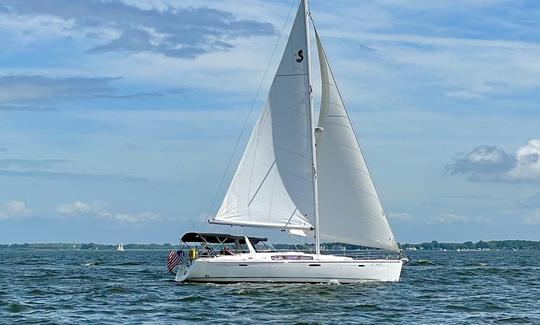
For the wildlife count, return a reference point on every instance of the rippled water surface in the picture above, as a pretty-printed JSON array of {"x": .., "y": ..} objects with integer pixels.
[{"x": 133, "y": 286}]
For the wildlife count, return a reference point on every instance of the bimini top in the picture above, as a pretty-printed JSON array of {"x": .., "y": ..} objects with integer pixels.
[{"x": 215, "y": 238}]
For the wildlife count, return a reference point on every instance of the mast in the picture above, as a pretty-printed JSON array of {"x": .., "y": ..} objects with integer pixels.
[{"x": 313, "y": 143}]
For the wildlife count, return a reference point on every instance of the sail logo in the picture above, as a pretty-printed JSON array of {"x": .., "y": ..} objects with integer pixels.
[{"x": 299, "y": 56}]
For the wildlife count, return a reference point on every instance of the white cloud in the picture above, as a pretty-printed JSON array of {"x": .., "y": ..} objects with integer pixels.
[
  {"x": 463, "y": 69},
  {"x": 14, "y": 209},
  {"x": 527, "y": 165},
  {"x": 400, "y": 215},
  {"x": 451, "y": 218},
  {"x": 74, "y": 208},
  {"x": 490, "y": 163},
  {"x": 450, "y": 64},
  {"x": 79, "y": 208},
  {"x": 138, "y": 217}
]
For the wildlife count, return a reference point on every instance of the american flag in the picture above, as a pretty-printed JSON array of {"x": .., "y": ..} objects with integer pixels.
[{"x": 173, "y": 259}]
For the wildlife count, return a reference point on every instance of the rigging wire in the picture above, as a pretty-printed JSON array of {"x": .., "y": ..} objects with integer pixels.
[{"x": 229, "y": 162}]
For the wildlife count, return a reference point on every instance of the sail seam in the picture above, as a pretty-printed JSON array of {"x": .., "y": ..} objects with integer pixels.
[
  {"x": 301, "y": 177},
  {"x": 366, "y": 193},
  {"x": 264, "y": 179},
  {"x": 281, "y": 148},
  {"x": 337, "y": 123},
  {"x": 336, "y": 115},
  {"x": 351, "y": 167},
  {"x": 291, "y": 74},
  {"x": 327, "y": 101},
  {"x": 290, "y": 218},
  {"x": 374, "y": 217},
  {"x": 298, "y": 90},
  {"x": 294, "y": 110}
]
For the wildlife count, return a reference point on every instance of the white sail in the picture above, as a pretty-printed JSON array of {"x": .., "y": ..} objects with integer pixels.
[
  {"x": 349, "y": 207},
  {"x": 273, "y": 185}
]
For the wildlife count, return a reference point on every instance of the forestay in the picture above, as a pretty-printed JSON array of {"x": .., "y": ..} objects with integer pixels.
[
  {"x": 273, "y": 185},
  {"x": 349, "y": 207}
]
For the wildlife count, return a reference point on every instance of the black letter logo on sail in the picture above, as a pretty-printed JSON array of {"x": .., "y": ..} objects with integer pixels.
[{"x": 300, "y": 56}]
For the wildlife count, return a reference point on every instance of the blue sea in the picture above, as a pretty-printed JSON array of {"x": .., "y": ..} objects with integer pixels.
[{"x": 109, "y": 287}]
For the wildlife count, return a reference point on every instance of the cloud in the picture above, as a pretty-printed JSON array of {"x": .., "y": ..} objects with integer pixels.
[
  {"x": 81, "y": 208},
  {"x": 470, "y": 196},
  {"x": 176, "y": 90},
  {"x": 527, "y": 165},
  {"x": 33, "y": 88},
  {"x": 449, "y": 218},
  {"x": 30, "y": 163},
  {"x": 492, "y": 164},
  {"x": 171, "y": 31},
  {"x": 27, "y": 108},
  {"x": 14, "y": 209},
  {"x": 447, "y": 67},
  {"x": 74, "y": 208},
  {"x": 482, "y": 163},
  {"x": 37, "y": 93},
  {"x": 74, "y": 177},
  {"x": 400, "y": 215},
  {"x": 137, "y": 217}
]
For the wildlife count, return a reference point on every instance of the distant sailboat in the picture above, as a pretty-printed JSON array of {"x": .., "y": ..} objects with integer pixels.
[
  {"x": 300, "y": 178},
  {"x": 120, "y": 248}
]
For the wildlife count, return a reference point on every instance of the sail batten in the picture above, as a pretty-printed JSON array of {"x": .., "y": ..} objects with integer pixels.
[{"x": 350, "y": 208}]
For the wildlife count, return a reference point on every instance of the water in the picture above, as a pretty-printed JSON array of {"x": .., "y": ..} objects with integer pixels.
[{"x": 133, "y": 287}]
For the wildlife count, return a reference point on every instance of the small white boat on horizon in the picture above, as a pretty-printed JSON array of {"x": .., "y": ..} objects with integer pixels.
[
  {"x": 301, "y": 178},
  {"x": 120, "y": 248}
]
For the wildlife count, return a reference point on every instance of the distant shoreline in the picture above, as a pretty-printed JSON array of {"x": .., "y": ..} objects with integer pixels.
[{"x": 433, "y": 245}]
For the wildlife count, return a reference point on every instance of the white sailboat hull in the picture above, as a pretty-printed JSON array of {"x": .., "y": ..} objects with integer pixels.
[{"x": 261, "y": 268}]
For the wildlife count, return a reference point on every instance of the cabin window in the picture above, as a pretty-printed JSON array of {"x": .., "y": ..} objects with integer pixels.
[
  {"x": 291, "y": 257},
  {"x": 261, "y": 247},
  {"x": 241, "y": 246}
]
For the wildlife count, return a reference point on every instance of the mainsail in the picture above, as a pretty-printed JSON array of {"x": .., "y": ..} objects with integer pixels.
[
  {"x": 273, "y": 185},
  {"x": 349, "y": 207}
]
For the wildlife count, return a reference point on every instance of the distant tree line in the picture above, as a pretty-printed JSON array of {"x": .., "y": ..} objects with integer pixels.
[
  {"x": 434, "y": 245},
  {"x": 469, "y": 245},
  {"x": 83, "y": 246}
]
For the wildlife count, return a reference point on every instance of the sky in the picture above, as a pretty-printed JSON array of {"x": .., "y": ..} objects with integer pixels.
[{"x": 118, "y": 117}]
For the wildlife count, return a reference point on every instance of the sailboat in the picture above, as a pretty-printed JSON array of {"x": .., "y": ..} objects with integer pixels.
[
  {"x": 120, "y": 248},
  {"x": 302, "y": 178}
]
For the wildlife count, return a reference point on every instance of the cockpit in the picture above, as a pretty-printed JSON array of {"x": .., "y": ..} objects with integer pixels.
[{"x": 215, "y": 244}]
